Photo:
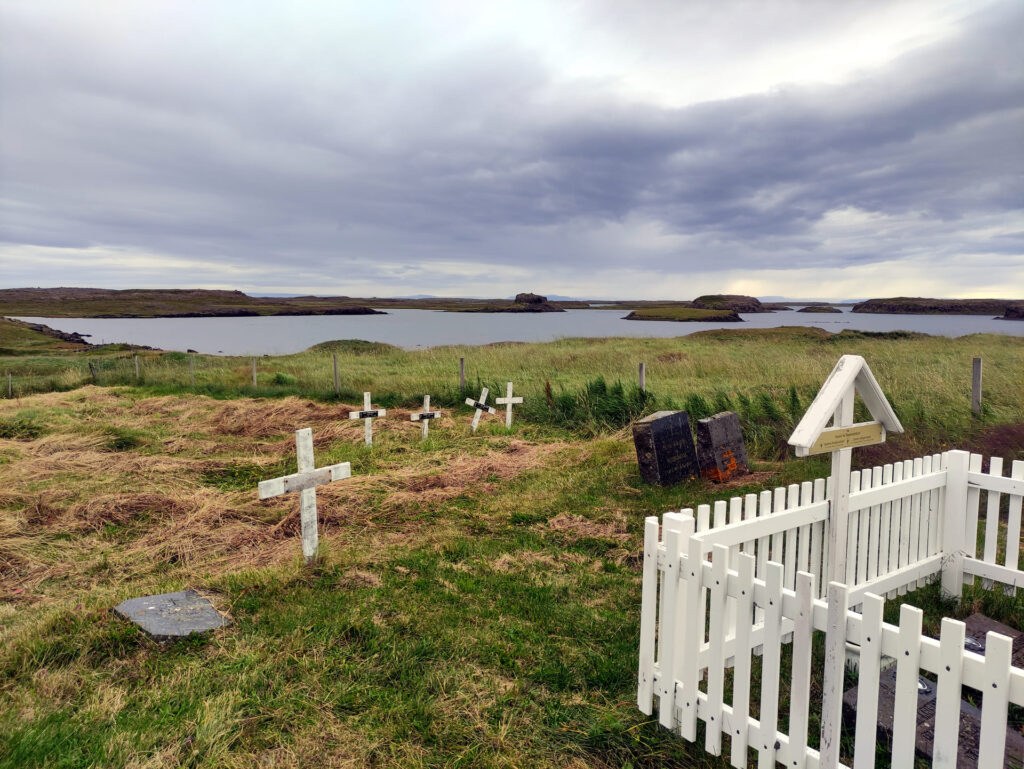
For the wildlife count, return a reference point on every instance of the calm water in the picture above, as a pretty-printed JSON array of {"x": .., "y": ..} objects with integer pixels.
[{"x": 429, "y": 328}]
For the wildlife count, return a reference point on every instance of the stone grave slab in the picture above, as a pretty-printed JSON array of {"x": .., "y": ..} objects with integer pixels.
[
  {"x": 721, "y": 452},
  {"x": 970, "y": 722},
  {"x": 977, "y": 625},
  {"x": 664, "y": 448},
  {"x": 168, "y": 616}
]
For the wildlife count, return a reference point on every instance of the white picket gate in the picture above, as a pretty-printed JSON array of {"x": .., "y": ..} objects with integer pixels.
[{"x": 744, "y": 577}]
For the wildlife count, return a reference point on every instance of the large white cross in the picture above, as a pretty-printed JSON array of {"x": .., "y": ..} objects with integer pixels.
[
  {"x": 368, "y": 414},
  {"x": 480, "y": 406},
  {"x": 507, "y": 403},
  {"x": 425, "y": 416},
  {"x": 305, "y": 480}
]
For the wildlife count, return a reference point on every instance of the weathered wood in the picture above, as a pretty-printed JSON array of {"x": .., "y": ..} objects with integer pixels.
[
  {"x": 507, "y": 402},
  {"x": 976, "y": 386},
  {"x": 643, "y": 387},
  {"x": 92, "y": 372},
  {"x": 462, "y": 374},
  {"x": 136, "y": 366},
  {"x": 368, "y": 414},
  {"x": 305, "y": 481},
  {"x": 425, "y": 416},
  {"x": 480, "y": 406}
]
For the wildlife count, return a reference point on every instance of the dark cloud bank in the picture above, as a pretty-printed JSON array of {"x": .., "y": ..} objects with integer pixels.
[{"x": 258, "y": 173}]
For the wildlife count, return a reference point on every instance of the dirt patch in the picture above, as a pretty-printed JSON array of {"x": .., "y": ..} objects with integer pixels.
[
  {"x": 1006, "y": 441},
  {"x": 578, "y": 527},
  {"x": 749, "y": 479}
]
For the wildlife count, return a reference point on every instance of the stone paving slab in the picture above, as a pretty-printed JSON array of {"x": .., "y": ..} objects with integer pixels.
[{"x": 168, "y": 616}]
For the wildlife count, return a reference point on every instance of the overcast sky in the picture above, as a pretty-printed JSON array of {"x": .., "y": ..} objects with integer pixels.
[{"x": 600, "y": 148}]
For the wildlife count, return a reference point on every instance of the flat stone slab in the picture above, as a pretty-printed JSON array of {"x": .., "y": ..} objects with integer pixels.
[
  {"x": 168, "y": 616},
  {"x": 721, "y": 452}
]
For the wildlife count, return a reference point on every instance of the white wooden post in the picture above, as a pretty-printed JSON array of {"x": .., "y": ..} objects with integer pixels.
[
  {"x": 839, "y": 514},
  {"x": 368, "y": 414},
  {"x": 954, "y": 515},
  {"x": 425, "y": 416},
  {"x": 480, "y": 406},
  {"x": 507, "y": 402},
  {"x": 643, "y": 378},
  {"x": 835, "y": 667},
  {"x": 305, "y": 481},
  {"x": 136, "y": 367}
]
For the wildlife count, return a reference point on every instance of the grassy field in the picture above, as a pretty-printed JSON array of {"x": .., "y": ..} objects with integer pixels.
[{"x": 477, "y": 598}]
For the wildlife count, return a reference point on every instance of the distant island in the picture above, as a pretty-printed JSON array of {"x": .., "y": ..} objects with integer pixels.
[
  {"x": 819, "y": 308},
  {"x": 1010, "y": 309},
  {"x": 522, "y": 303}
]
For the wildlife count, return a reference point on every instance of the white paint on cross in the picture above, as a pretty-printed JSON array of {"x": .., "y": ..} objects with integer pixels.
[
  {"x": 305, "y": 481},
  {"x": 368, "y": 414},
  {"x": 480, "y": 406},
  {"x": 507, "y": 402},
  {"x": 834, "y": 402},
  {"x": 425, "y": 416}
]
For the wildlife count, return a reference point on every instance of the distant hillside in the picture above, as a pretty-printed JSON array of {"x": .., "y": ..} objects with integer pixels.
[{"x": 903, "y": 305}]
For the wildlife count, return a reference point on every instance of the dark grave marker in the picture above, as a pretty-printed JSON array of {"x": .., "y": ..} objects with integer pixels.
[
  {"x": 721, "y": 452},
  {"x": 168, "y": 616},
  {"x": 970, "y": 715},
  {"x": 664, "y": 448}
]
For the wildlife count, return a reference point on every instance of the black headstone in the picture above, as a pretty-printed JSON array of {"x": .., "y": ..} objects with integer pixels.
[
  {"x": 721, "y": 453},
  {"x": 664, "y": 448},
  {"x": 168, "y": 616}
]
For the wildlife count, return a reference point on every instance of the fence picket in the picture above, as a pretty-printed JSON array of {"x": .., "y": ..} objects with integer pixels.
[
  {"x": 906, "y": 517},
  {"x": 867, "y": 682},
  {"x": 973, "y": 503},
  {"x": 790, "y": 562},
  {"x": 693, "y": 639},
  {"x": 716, "y": 660},
  {"x": 874, "y": 533},
  {"x": 895, "y": 524},
  {"x": 703, "y": 524},
  {"x": 994, "y": 705},
  {"x": 677, "y": 528},
  {"x": 922, "y": 466},
  {"x": 934, "y": 516},
  {"x": 908, "y": 665},
  {"x": 863, "y": 543},
  {"x": 648, "y": 618},
  {"x": 947, "y": 694},
  {"x": 749, "y": 512},
  {"x": 852, "y": 530},
  {"x": 778, "y": 505},
  {"x": 1013, "y": 522},
  {"x": 819, "y": 539},
  {"x": 800, "y": 682},
  {"x": 770, "y": 666},
  {"x": 995, "y": 467},
  {"x": 884, "y": 520},
  {"x": 741, "y": 672},
  {"x": 835, "y": 667},
  {"x": 804, "y": 535}
]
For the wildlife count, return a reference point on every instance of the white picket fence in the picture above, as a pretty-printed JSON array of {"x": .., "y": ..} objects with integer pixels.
[{"x": 744, "y": 577}]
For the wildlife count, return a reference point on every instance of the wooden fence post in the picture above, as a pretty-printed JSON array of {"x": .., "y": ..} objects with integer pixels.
[
  {"x": 643, "y": 379},
  {"x": 253, "y": 372},
  {"x": 192, "y": 370},
  {"x": 462, "y": 374},
  {"x": 10, "y": 385},
  {"x": 976, "y": 387},
  {"x": 954, "y": 530},
  {"x": 337, "y": 389},
  {"x": 92, "y": 372},
  {"x": 136, "y": 367}
]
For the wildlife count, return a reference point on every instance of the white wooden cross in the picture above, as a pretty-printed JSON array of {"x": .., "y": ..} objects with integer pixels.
[
  {"x": 368, "y": 414},
  {"x": 305, "y": 480},
  {"x": 480, "y": 406},
  {"x": 425, "y": 416},
  {"x": 507, "y": 403},
  {"x": 851, "y": 376}
]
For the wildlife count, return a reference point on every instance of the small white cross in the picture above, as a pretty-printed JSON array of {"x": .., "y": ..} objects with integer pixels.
[
  {"x": 425, "y": 416},
  {"x": 507, "y": 403},
  {"x": 305, "y": 480},
  {"x": 367, "y": 415},
  {"x": 480, "y": 406}
]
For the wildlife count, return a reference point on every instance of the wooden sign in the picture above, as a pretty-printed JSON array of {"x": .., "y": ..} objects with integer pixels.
[{"x": 860, "y": 434}]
